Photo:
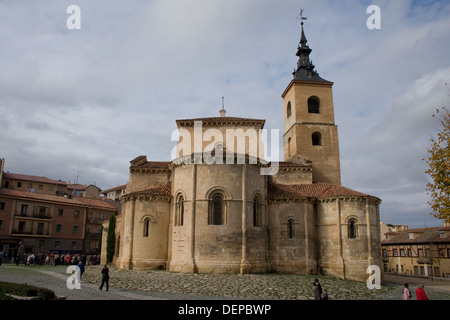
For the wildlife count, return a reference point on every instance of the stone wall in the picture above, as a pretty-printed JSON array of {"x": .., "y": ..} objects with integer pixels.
[
  {"x": 339, "y": 254},
  {"x": 292, "y": 237}
]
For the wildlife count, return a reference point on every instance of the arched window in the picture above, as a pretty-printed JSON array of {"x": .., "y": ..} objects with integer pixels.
[
  {"x": 216, "y": 209},
  {"x": 313, "y": 105},
  {"x": 179, "y": 211},
  {"x": 146, "y": 227},
  {"x": 352, "y": 229},
  {"x": 290, "y": 230},
  {"x": 289, "y": 146},
  {"x": 288, "y": 109},
  {"x": 316, "y": 139},
  {"x": 257, "y": 218}
]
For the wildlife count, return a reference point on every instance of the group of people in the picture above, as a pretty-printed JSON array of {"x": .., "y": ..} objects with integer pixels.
[
  {"x": 420, "y": 293},
  {"x": 53, "y": 259},
  {"x": 321, "y": 294}
]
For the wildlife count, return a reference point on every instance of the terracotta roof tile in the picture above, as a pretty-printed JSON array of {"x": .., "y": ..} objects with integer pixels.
[
  {"x": 38, "y": 196},
  {"x": 165, "y": 191},
  {"x": 155, "y": 164},
  {"x": 97, "y": 203},
  {"x": 281, "y": 191},
  {"x": 25, "y": 177},
  {"x": 314, "y": 190},
  {"x": 76, "y": 186},
  {"x": 426, "y": 235}
]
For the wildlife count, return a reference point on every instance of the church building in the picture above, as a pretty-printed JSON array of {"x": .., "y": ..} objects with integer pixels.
[{"x": 210, "y": 210}]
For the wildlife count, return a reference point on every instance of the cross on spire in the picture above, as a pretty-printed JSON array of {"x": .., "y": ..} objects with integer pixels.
[{"x": 302, "y": 17}]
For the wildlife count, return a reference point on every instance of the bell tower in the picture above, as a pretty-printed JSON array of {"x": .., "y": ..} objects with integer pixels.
[{"x": 309, "y": 129}]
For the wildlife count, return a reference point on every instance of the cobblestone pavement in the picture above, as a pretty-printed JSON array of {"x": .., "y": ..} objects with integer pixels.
[{"x": 151, "y": 284}]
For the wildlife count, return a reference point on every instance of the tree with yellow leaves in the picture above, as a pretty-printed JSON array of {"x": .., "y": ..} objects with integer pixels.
[{"x": 439, "y": 168}]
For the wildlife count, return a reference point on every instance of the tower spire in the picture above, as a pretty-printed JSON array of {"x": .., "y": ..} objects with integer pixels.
[
  {"x": 303, "y": 40},
  {"x": 305, "y": 68}
]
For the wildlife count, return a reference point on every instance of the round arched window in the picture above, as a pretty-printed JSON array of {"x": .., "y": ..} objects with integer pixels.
[
  {"x": 288, "y": 109},
  {"x": 352, "y": 232},
  {"x": 313, "y": 105}
]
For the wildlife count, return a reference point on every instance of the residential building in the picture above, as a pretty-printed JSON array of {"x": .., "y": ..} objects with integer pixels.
[
  {"x": 115, "y": 193},
  {"x": 80, "y": 190},
  {"x": 422, "y": 252},
  {"x": 37, "y": 215},
  {"x": 29, "y": 183}
]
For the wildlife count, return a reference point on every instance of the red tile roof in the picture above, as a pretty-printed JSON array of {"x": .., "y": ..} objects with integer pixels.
[
  {"x": 314, "y": 190},
  {"x": 165, "y": 191},
  {"x": 426, "y": 235},
  {"x": 38, "y": 196},
  {"x": 96, "y": 203},
  {"x": 76, "y": 186},
  {"x": 155, "y": 164},
  {"x": 25, "y": 177}
]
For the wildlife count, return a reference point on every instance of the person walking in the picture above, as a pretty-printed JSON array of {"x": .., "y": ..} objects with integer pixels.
[
  {"x": 105, "y": 278},
  {"x": 420, "y": 293},
  {"x": 319, "y": 286},
  {"x": 406, "y": 293},
  {"x": 17, "y": 258},
  {"x": 317, "y": 292},
  {"x": 80, "y": 266}
]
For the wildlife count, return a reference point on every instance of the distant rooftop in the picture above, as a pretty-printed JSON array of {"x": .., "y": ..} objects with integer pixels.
[{"x": 24, "y": 177}]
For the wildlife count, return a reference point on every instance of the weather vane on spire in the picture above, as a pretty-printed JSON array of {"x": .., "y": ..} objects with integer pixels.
[{"x": 302, "y": 17}]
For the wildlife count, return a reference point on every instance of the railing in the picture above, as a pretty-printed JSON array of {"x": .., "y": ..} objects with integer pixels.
[
  {"x": 95, "y": 220},
  {"x": 33, "y": 215},
  {"x": 31, "y": 233},
  {"x": 93, "y": 234}
]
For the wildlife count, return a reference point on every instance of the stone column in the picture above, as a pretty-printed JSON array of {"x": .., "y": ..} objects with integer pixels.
[
  {"x": 310, "y": 262},
  {"x": 369, "y": 235},
  {"x": 245, "y": 265},
  {"x": 128, "y": 222},
  {"x": 191, "y": 264},
  {"x": 340, "y": 258}
]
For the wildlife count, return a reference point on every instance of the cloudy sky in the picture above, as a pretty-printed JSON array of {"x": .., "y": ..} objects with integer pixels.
[{"x": 80, "y": 104}]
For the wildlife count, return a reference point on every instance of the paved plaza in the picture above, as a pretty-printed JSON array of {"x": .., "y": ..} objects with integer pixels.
[{"x": 158, "y": 284}]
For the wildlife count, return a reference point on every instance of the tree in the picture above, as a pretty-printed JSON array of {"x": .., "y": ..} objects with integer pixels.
[
  {"x": 439, "y": 168},
  {"x": 111, "y": 238}
]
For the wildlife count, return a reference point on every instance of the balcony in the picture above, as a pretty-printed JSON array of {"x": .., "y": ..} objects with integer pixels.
[
  {"x": 95, "y": 220},
  {"x": 37, "y": 215},
  {"x": 422, "y": 260},
  {"x": 38, "y": 233},
  {"x": 95, "y": 235}
]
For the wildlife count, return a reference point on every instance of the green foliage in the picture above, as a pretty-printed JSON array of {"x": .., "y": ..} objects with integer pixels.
[
  {"x": 24, "y": 290},
  {"x": 111, "y": 239},
  {"x": 439, "y": 168}
]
